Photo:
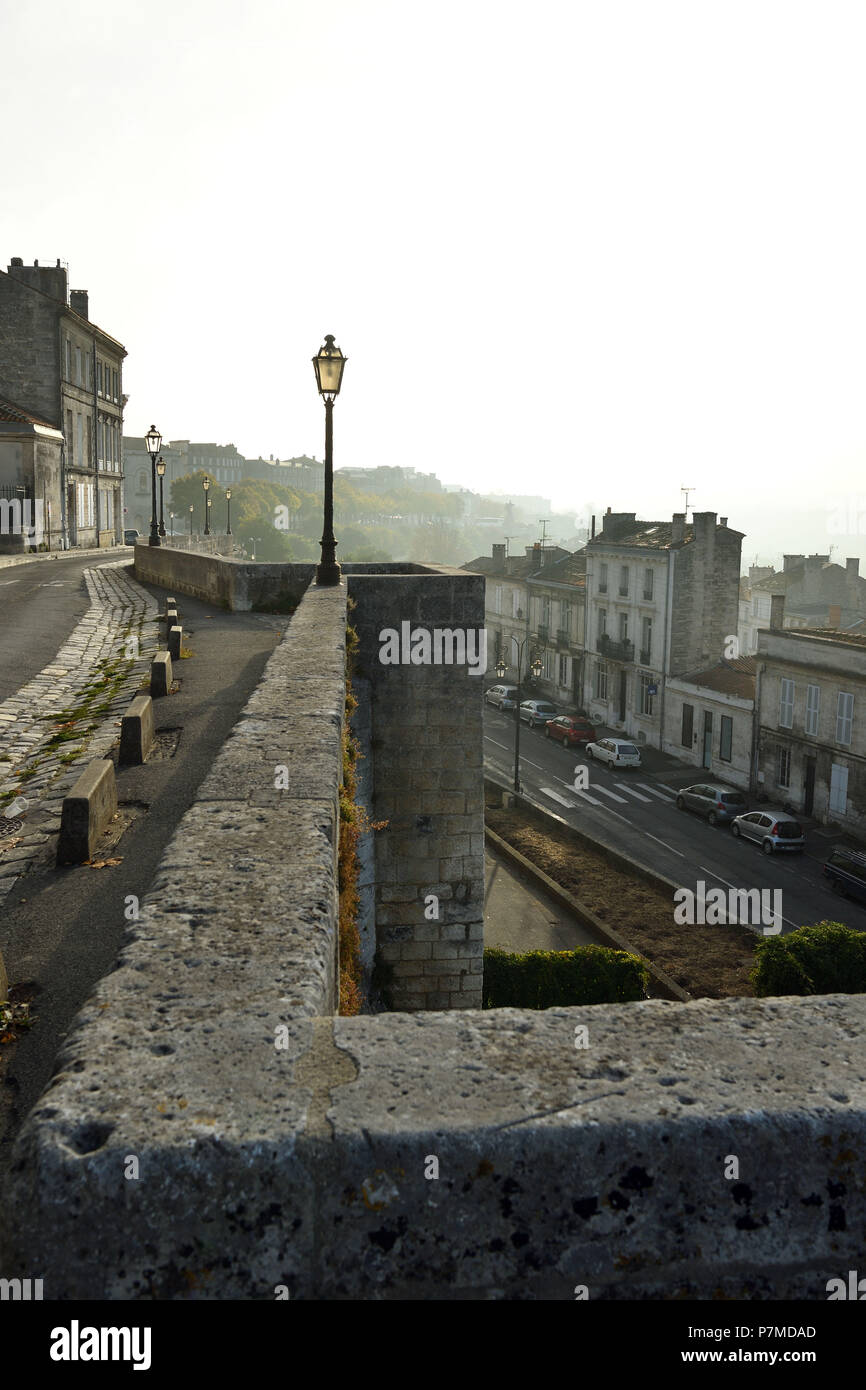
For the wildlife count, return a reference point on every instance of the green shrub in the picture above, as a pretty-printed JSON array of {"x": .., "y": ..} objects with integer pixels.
[
  {"x": 827, "y": 958},
  {"x": 543, "y": 979}
]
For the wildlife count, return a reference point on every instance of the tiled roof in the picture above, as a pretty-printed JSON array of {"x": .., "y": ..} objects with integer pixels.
[
  {"x": 828, "y": 634},
  {"x": 518, "y": 566},
  {"x": 571, "y": 569},
  {"x": 655, "y": 535},
  {"x": 735, "y": 677},
  {"x": 15, "y": 415}
]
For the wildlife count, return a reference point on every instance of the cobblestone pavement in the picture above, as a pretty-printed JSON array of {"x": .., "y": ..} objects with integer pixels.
[{"x": 119, "y": 632}]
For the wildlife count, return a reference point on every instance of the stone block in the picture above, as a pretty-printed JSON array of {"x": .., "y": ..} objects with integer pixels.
[
  {"x": 87, "y": 810},
  {"x": 160, "y": 675},
  {"x": 175, "y": 639},
  {"x": 136, "y": 731}
]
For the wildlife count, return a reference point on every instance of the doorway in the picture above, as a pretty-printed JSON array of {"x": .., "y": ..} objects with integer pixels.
[
  {"x": 809, "y": 787},
  {"x": 708, "y": 738},
  {"x": 622, "y": 679}
]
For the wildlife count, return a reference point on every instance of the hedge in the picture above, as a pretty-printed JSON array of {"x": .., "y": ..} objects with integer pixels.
[
  {"x": 827, "y": 958},
  {"x": 543, "y": 979}
]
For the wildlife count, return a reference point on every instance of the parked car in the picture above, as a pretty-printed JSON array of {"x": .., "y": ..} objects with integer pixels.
[
  {"x": 130, "y": 537},
  {"x": 570, "y": 730},
  {"x": 711, "y": 799},
  {"x": 773, "y": 829},
  {"x": 534, "y": 712},
  {"x": 618, "y": 752},
  {"x": 846, "y": 870},
  {"x": 502, "y": 696}
]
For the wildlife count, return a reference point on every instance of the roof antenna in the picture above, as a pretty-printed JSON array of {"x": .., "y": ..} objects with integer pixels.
[
  {"x": 687, "y": 490},
  {"x": 507, "y": 539},
  {"x": 542, "y": 521}
]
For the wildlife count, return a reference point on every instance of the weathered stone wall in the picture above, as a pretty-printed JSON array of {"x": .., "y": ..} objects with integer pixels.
[
  {"x": 29, "y": 349},
  {"x": 706, "y": 595},
  {"x": 427, "y": 775}
]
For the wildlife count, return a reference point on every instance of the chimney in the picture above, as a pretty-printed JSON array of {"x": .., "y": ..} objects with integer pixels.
[
  {"x": 834, "y": 615},
  {"x": 852, "y": 568},
  {"x": 78, "y": 302},
  {"x": 48, "y": 279},
  {"x": 777, "y": 612},
  {"x": 790, "y": 562},
  {"x": 499, "y": 555},
  {"x": 704, "y": 526},
  {"x": 723, "y": 521},
  {"x": 678, "y": 526}
]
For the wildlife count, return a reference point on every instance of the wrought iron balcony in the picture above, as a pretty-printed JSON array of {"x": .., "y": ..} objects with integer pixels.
[
  {"x": 543, "y": 633},
  {"x": 563, "y": 637},
  {"x": 645, "y": 656},
  {"x": 615, "y": 651}
]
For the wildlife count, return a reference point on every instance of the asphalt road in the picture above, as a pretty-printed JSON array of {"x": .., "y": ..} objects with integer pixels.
[
  {"x": 41, "y": 602},
  {"x": 635, "y": 812},
  {"x": 62, "y": 928}
]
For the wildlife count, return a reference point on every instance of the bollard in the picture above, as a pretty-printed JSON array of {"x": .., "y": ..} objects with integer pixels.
[
  {"x": 136, "y": 731},
  {"x": 160, "y": 675},
  {"x": 87, "y": 810},
  {"x": 175, "y": 636}
]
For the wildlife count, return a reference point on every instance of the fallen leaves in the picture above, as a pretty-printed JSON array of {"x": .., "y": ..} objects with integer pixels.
[{"x": 102, "y": 863}]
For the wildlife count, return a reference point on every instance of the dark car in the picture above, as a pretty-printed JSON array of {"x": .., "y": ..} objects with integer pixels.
[
  {"x": 569, "y": 730},
  {"x": 712, "y": 800},
  {"x": 130, "y": 537},
  {"x": 846, "y": 870}
]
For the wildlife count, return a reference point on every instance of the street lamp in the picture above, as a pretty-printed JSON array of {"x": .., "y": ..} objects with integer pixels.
[
  {"x": 536, "y": 669},
  {"x": 171, "y": 522},
  {"x": 206, "y": 485},
  {"x": 152, "y": 440},
  {"x": 160, "y": 468},
  {"x": 329, "y": 364},
  {"x": 191, "y": 510},
  {"x": 228, "y": 511}
]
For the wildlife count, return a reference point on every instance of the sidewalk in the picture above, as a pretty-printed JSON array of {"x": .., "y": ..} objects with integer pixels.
[
  {"x": 115, "y": 552},
  {"x": 520, "y": 917}
]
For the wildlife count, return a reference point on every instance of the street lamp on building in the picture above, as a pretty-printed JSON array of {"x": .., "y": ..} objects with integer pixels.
[
  {"x": 228, "y": 511},
  {"x": 153, "y": 440},
  {"x": 206, "y": 485},
  {"x": 160, "y": 468},
  {"x": 501, "y": 669},
  {"x": 329, "y": 364}
]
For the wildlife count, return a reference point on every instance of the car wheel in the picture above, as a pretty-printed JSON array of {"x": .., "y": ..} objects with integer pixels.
[
  {"x": 735, "y": 831},
  {"x": 681, "y": 805},
  {"x": 589, "y": 752},
  {"x": 767, "y": 846},
  {"x": 712, "y": 818}
]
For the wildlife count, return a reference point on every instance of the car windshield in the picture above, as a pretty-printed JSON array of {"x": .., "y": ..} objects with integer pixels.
[
  {"x": 788, "y": 830},
  {"x": 627, "y": 748}
]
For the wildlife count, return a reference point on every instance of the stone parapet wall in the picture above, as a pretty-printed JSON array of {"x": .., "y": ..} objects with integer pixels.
[{"x": 444, "y": 1155}]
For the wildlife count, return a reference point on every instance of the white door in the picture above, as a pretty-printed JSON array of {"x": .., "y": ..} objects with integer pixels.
[{"x": 838, "y": 789}]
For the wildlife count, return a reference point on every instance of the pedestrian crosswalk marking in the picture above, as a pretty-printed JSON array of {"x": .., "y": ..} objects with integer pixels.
[
  {"x": 647, "y": 788},
  {"x": 563, "y": 801},
  {"x": 631, "y": 791},
  {"x": 613, "y": 796}
]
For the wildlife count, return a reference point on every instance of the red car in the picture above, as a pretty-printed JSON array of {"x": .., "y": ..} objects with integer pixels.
[{"x": 569, "y": 730}]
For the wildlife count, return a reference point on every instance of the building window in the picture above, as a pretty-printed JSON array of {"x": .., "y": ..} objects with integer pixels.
[
  {"x": 142, "y": 481},
  {"x": 688, "y": 725},
  {"x": 623, "y": 627},
  {"x": 563, "y": 671},
  {"x": 68, "y": 360},
  {"x": 515, "y": 603},
  {"x": 80, "y": 440},
  {"x": 89, "y": 442},
  {"x": 786, "y": 705},
  {"x": 114, "y": 385},
  {"x": 726, "y": 737},
  {"x": 78, "y": 376},
  {"x": 602, "y": 622},
  {"x": 647, "y": 641},
  {"x": 602, "y": 579},
  {"x": 844, "y": 717},
  {"x": 99, "y": 378},
  {"x": 88, "y": 371},
  {"x": 648, "y": 583},
  {"x": 623, "y": 580},
  {"x": 69, "y": 438},
  {"x": 565, "y": 618},
  {"x": 646, "y": 699},
  {"x": 784, "y": 767},
  {"x": 600, "y": 681},
  {"x": 497, "y": 599},
  {"x": 813, "y": 705}
]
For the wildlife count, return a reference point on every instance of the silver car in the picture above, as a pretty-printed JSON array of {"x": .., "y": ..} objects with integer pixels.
[
  {"x": 534, "y": 712},
  {"x": 504, "y": 697},
  {"x": 773, "y": 829},
  {"x": 711, "y": 799}
]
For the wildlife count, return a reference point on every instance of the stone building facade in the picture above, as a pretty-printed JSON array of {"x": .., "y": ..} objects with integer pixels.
[
  {"x": 510, "y": 633},
  {"x": 31, "y": 452},
  {"x": 818, "y": 594},
  {"x": 661, "y": 600},
  {"x": 710, "y": 717},
  {"x": 811, "y": 699},
  {"x": 61, "y": 367}
]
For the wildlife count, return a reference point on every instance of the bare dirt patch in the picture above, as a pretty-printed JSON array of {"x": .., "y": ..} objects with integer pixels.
[{"x": 711, "y": 962}]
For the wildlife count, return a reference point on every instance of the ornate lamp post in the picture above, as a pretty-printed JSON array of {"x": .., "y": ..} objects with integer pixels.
[
  {"x": 153, "y": 440},
  {"x": 191, "y": 510},
  {"x": 206, "y": 485},
  {"x": 160, "y": 468},
  {"x": 329, "y": 364},
  {"x": 171, "y": 523},
  {"x": 501, "y": 669},
  {"x": 228, "y": 511}
]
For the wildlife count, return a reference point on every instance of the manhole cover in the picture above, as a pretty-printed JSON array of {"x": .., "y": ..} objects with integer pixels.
[{"x": 10, "y": 827}]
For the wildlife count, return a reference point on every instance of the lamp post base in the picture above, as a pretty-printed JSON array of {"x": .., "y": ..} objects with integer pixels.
[{"x": 328, "y": 574}]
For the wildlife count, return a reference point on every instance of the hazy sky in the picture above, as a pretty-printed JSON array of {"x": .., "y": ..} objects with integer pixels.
[{"x": 596, "y": 251}]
